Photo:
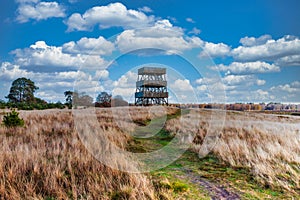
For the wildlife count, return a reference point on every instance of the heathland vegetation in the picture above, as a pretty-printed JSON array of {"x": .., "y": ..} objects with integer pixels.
[
  {"x": 267, "y": 146},
  {"x": 253, "y": 156}
]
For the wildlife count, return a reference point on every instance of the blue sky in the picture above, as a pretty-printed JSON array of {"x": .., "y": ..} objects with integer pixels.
[{"x": 247, "y": 50}]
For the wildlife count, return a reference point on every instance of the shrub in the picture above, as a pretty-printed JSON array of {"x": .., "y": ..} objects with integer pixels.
[
  {"x": 179, "y": 186},
  {"x": 296, "y": 113},
  {"x": 12, "y": 119},
  {"x": 2, "y": 104}
]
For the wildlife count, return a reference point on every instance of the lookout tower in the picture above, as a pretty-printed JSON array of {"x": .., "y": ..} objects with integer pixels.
[{"x": 151, "y": 86}]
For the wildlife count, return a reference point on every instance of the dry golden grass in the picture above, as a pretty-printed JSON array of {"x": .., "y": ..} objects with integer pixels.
[
  {"x": 47, "y": 159},
  {"x": 267, "y": 144}
]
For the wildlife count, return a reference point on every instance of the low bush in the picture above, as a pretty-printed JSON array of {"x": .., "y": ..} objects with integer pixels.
[{"x": 12, "y": 119}]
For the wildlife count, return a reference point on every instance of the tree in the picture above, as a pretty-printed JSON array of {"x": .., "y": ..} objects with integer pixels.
[
  {"x": 69, "y": 98},
  {"x": 118, "y": 101},
  {"x": 22, "y": 90},
  {"x": 82, "y": 99},
  {"x": 77, "y": 99},
  {"x": 103, "y": 100}
]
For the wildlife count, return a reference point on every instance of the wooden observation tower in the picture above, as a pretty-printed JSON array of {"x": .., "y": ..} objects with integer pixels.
[{"x": 151, "y": 86}]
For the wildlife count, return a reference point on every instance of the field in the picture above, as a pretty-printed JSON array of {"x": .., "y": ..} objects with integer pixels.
[{"x": 237, "y": 155}]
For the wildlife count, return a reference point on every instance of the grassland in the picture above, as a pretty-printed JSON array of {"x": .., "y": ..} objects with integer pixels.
[
  {"x": 46, "y": 160},
  {"x": 263, "y": 149},
  {"x": 256, "y": 156}
]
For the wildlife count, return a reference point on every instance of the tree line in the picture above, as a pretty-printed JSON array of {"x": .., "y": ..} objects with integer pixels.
[{"x": 21, "y": 96}]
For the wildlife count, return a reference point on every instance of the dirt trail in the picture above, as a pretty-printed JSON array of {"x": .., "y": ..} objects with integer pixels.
[{"x": 215, "y": 191}]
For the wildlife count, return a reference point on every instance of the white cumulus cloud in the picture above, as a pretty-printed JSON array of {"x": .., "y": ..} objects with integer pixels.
[
  {"x": 252, "y": 41},
  {"x": 112, "y": 15},
  {"x": 125, "y": 85},
  {"x": 181, "y": 90},
  {"x": 242, "y": 80},
  {"x": 41, "y": 54},
  {"x": 290, "y": 88},
  {"x": 260, "y": 82},
  {"x": 288, "y": 92},
  {"x": 145, "y": 9},
  {"x": 163, "y": 35},
  {"x": 95, "y": 46},
  {"x": 247, "y": 68},
  {"x": 126, "y": 80},
  {"x": 195, "y": 31},
  {"x": 293, "y": 60},
  {"x": 33, "y": 9},
  {"x": 215, "y": 50},
  {"x": 236, "y": 79},
  {"x": 228, "y": 83},
  {"x": 190, "y": 20},
  {"x": 182, "y": 85},
  {"x": 269, "y": 50},
  {"x": 9, "y": 71}
]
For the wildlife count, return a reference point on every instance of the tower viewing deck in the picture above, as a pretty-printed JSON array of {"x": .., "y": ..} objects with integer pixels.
[{"x": 151, "y": 86}]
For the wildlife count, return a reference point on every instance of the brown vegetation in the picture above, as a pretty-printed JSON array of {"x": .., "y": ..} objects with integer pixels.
[
  {"x": 47, "y": 159},
  {"x": 269, "y": 145}
]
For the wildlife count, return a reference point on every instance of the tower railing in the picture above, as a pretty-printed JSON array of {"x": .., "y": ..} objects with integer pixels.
[{"x": 151, "y": 86}]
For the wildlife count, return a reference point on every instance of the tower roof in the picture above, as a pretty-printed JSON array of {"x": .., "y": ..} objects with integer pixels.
[{"x": 151, "y": 70}]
